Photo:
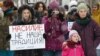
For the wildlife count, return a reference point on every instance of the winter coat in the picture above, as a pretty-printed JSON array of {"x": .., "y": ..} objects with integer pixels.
[
  {"x": 44, "y": 19},
  {"x": 39, "y": 16},
  {"x": 24, "y": 52},
  {"x": 54, "y": 30},
  {"x": 90, "y": 36},
  {"x": 72, "y": 49},
  {"x": 4, "y": 31},
  {"x": 96, "y": 16}
]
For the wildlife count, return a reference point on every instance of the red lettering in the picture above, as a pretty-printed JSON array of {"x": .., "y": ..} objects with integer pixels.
[
  {"x": 23, "y": 28},
  {"x": 15, "y": 28},
  {"x": 36, "y": 27}
]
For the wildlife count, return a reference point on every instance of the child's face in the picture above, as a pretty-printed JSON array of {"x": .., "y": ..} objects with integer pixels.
[{"x": 75, "y": 38}]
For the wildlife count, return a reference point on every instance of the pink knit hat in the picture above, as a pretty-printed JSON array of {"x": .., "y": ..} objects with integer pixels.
[
  {"x": 73, "y": 32},
  {"x": 54, "y": 5}
]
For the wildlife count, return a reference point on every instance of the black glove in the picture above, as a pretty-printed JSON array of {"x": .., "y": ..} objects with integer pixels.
[
  {"x": 8, "y": 37},
  {"x": 44, "y": 36}
]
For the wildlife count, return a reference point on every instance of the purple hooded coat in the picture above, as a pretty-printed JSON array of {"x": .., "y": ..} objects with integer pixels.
[{"x": 55, "y": 30}]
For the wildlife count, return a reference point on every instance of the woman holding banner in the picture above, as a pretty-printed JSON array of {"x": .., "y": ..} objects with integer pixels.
[{"x": 25, "y": 14}]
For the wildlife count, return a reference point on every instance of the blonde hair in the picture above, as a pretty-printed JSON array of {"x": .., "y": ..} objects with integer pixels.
[{"x": 30, "y": 15}]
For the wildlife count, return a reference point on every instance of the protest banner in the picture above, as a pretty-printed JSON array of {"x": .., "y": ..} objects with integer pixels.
[{"x": 27, "y": 37}]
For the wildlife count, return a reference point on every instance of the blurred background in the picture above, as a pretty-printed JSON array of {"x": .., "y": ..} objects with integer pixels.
[{"x": 18, "y": 3}]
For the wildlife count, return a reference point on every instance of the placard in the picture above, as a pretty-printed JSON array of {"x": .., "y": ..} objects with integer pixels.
[
  {"x": 70, "y": 24},
  {"x": 27, "y": 37}
]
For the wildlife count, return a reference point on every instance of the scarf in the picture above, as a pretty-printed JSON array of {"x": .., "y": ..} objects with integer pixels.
[
  {"x": 8, "y": 12},
  {"x": 72, "y": 44},
  {"x": 83, "y": 21}
]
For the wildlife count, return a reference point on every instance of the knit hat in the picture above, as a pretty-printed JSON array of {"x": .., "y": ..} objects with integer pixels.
[
  {"x": 82, "y": 6},
  {"x": 73, "y": 32},
  {"x": 54, "y": 5},
  {"x": 8, "y": 3},
  {"x": 73, "y": 4}
]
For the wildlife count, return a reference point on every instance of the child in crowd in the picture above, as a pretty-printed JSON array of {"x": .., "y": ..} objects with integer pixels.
[{"x": 73, "y": 46}]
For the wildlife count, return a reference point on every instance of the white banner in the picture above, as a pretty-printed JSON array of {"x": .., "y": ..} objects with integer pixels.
[{"x": 27, "y": 37}]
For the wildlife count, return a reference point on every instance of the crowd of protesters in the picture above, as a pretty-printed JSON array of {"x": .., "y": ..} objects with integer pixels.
[{"x": 81, "y": 39}]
